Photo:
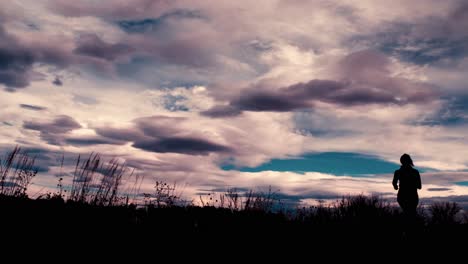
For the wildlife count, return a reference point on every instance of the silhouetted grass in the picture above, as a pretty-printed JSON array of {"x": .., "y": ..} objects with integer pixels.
[{"x": 16, "y": 172}]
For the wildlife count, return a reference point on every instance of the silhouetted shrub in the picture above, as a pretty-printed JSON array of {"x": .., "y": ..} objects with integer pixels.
[{"x": 444, "y": 213}]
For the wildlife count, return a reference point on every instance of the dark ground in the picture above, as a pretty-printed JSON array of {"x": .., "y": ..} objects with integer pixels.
[{"x": 207, "y": 229}]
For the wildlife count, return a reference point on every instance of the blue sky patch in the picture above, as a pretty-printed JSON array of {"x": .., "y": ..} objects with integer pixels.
[
  {"x": 336, "y": 163},
  {"x": 174, "y": 103}
]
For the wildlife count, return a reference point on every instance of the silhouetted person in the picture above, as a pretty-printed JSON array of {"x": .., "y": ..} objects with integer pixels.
[{"x": 407, "y": 181}]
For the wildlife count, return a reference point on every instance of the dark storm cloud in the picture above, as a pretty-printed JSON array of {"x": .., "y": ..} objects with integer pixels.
[
  {"x": 365, "y": 80},
  {"x": 60, "y": 125},
  {"x": 162, "y": 134},
  {"x": 17, "y": 60},
  {"x": 438, "y": 189},
  {"x": 93, "y": 46},
  {"x": 57, "y": 81},
  {"x": 343, "y": 93},
  {"x": 281, "y": 100},
  {"x": 269, "y": 101},
  {"x": 190, "y": 146},
  {"x": 33, "y": 107},
  {"x": 53, "y": 132},
  {"x": 19, "y": 56}
]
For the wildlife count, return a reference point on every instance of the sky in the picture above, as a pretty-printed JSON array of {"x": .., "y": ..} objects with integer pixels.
[{"x": 317, "y": 99}]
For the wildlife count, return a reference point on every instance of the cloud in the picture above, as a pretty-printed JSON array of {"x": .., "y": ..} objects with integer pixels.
[
  {"x": 149, "y": 25},
  {"x": 17, "y": 58},
  {"x": 86, "y": 100},
  {"x": 162, "y": 134},
  {"x": 222, "y": 111},
  {"x": 430, "y": 39},
  {"x": 91, "y": 45},
  {"x": 124, "y": 134},
  {"x": 364, "y": 79},
  {"x": 190, "y": 146},
  {"x": 91, "y": 140},
  {"x": 159, "y": 126},
  {"x": 438, "y": 189},
  {"x": 15, "y": 62},
  {"x": 122, "y": 9},
  {"x": 60, "y": 125},
  {"x": 54, "y": 130},
  {"x": 284, "y": 99},
  {"x": 166, "y": 37},
  {"x": 370, "y": 72},
  {"x": 453, "y": 113},
  {"x": 57, "y": 81},
  {"x": 33, "y": 107}
]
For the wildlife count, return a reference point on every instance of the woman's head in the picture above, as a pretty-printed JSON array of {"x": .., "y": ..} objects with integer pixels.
[{"x": 406, "y": 160}]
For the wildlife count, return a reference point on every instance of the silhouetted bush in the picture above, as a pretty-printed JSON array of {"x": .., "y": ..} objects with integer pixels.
[{"x": 444, "y": 213}]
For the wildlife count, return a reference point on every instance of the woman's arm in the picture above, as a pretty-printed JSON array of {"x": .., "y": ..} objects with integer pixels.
[
  {"x": 396, "y": 177},
  {"x": 418, "y": 180}
]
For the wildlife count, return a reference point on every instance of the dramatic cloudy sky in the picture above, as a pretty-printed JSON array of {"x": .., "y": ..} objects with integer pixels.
[{"x": 314, "y": 98}]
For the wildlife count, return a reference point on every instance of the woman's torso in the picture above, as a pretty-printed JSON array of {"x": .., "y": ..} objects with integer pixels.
[{"x": 408, "y": 178}]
